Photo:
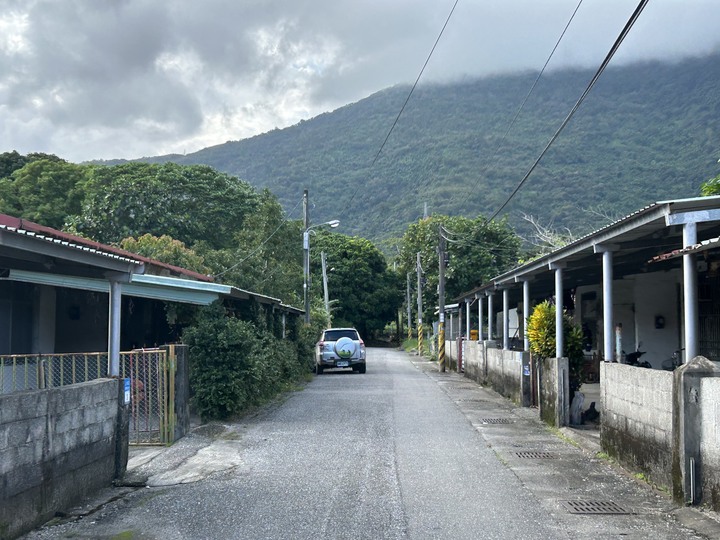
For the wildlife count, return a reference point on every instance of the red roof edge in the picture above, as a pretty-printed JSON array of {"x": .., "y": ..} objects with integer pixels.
[{"x": 26, "y": 225}]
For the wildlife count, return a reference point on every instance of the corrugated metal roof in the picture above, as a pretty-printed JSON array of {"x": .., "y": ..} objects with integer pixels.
[
  {"x": 30, "y": 229},
  {"x": 622, "y": 226},
  {"x": 69, "y": 244}
]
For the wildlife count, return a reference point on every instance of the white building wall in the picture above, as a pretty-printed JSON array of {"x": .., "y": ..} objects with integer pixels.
[{"x": 656, "y": 295}]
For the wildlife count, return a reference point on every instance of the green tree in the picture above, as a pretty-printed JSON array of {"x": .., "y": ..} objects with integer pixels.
[
  {"x": 478, "y": 250},
  {"x": 167, "y": 250},
  {"x": 710, "y": 187},
  {"x": 367, "y": 293},
  {"x": 188, "y": 203},
  {"x": 12, "y": 161},
  {"x": 267, "y": 255},
  {"x": 46, "y": 191}
]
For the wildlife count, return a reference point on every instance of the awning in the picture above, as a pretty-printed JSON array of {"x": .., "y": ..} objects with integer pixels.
[{"x": 154, "y": 287}]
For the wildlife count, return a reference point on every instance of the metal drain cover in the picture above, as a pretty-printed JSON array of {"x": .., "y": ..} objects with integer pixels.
[
  {"x": 594, "y": 507},
  {"x": 535, "y": 455},
  {"x": 497, "y": 421}
]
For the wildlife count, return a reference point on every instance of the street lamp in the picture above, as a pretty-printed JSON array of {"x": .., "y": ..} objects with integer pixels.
[{"x": 306, "y": 262}]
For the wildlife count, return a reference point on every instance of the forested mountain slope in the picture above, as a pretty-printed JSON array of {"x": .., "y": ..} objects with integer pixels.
[{"x": 646, "y": 132}]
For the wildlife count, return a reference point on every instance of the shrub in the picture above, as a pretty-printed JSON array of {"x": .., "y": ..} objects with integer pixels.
[
  {"x": 541, "y": 334},
  {"x": 234, "y": 365}
]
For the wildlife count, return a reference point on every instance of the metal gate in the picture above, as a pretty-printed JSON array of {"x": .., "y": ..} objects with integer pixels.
[
  {"x": 709, "y": 315},
  {"x": 152, "y": 383},
  {"x": 152, "y": 394}
]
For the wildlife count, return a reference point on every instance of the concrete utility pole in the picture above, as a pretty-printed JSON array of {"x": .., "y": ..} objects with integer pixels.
[
  {"x": 408, "y": 298},
  {"x": 419, "y": 305},
  {"x": 441, "y": 301},
  {"x": 325, "y": 285},
  {"x": 306, "y": 256}
]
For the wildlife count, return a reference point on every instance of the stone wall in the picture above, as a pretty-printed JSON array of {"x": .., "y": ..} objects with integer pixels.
[
  {"x": 57, "y": 445},
  {"x": 637, "y": 423}
]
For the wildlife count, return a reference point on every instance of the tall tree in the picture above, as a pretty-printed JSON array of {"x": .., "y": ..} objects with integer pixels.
[
  {"x": 267, "y": 255},
  {"x": 477, "y": 249},
  {"x": 45, "y": 190},
  {"x": 188, "y": 203},
  {"x": 367, "y": 293}
]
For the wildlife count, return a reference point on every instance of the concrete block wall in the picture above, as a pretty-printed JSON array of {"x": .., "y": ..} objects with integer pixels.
[
  {"x": 554, "y": 390},
  {"x": 57, "y": 445},
  {"x": 504, "y": 371},
  {"x": 637, "y": 422},
  {"x": 710, "y": 441}
]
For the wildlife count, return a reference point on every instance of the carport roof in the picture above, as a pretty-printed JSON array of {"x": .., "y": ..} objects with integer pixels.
[
  {"x": 636, "y": 239},
  {"x": 34, "y": 253}
]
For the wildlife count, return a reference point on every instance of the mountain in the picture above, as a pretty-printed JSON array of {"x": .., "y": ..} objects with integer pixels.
[{"x": 646, "y": 132}]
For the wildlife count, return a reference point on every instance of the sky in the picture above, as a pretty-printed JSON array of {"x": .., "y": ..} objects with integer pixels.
[{"x": 104, "y": 79}]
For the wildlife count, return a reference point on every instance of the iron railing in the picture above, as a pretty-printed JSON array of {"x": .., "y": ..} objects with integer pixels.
[{"x": 152, "y": 383}]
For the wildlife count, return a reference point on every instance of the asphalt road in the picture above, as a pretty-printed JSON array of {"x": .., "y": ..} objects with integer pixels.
[{"x": 395, "y": 453}]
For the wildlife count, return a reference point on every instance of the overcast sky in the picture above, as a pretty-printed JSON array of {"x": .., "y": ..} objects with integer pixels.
[{"x": 89, "y": 79}]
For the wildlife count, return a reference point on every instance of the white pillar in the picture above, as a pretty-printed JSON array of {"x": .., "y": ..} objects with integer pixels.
[
  {"x": 526, "y": 314},
  {"x": 607, "y": 288},
  {"x": 114, "y": 328},
  {"x": 559, "y": 341},
  {"x": 506, "y": 319},
  {"x": 690, "y": 307},
  {"x": 467, "y": 318},
  {"x": 490, "y": 316},
  {"x": 480, "y": 317}
]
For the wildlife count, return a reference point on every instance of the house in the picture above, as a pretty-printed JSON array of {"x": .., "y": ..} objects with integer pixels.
[
  {"x": 84, "y": 368},
  {"x": 649, "y": 282}
]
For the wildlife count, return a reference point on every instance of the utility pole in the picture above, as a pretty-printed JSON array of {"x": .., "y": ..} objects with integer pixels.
[
  {"x": 325, "y": 285},
  {"x": 409, "y": 308},
  {"x": 441, "y": 300},
  {"x": 419, "y": 305},
  {"x": 306, "y": 256}
]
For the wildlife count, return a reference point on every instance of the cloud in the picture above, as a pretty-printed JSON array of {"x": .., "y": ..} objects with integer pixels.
[{"x": 104, "y": 78}]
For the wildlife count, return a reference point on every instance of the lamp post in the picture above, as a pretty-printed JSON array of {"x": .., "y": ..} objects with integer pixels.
[{"x": 306, "y": 262}]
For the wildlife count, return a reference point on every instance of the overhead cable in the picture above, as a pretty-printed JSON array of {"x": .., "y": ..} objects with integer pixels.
[
  {"x": 254, "y": 251},
  {"x": 397, "y": 118},
  {"x": 633, "y": 18},
  {"x": 537, "y": 80}
]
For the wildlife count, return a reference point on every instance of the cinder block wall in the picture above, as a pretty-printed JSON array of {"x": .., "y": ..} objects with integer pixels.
[
  {"x": 710, "y": 441},
  {"x": 501, "y": 370},
  {"x": 474, "y": 367},
  {"x": 57, "y": 445},
  {"x": 637, "y": 421}
]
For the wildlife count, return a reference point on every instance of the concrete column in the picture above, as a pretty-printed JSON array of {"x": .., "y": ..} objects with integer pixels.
[
  {"x": 490, "y": 316},
  {"x": 526, "y": 314},
  {"x": 607, "y": 288},
  {"x": 467, "y": 318},
  {"x": 480, "y": 317},
  {"x": 506, "y": 319},
  {"x": 690, "y": 304},
  {"x": 559, "y": 341},
  {"x": 114, "y": 328}
]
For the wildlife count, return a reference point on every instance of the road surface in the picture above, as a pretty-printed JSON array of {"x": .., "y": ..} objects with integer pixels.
[{"x": 401, "y": 452}]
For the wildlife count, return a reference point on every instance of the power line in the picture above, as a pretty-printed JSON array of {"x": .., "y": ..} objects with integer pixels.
[
  {"x": 397, "y": 118},
  {"x": 633, "y": 18},
  {"x": 253, "y": 252},
  {"x": 416, "y": 82},
  {"x": 537, "y": 80}
]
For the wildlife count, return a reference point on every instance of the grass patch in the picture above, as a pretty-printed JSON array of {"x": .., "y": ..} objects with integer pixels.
[
  {"x": 409, "y": 344},
  {"x": 560, "y": 435}
]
